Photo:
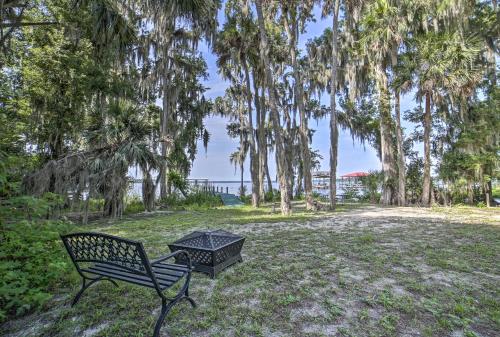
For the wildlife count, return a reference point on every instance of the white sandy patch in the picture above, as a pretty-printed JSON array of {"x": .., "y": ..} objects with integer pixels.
[
  {"x": 328, "y": 330},
  {"x": 382, "y": 283},
  {"x": 95, "y": 330},
  {"x": 312, "y": 310}
]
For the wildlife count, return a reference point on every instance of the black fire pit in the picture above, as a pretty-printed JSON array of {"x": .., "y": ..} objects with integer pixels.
[{"x": 210, "y": 251}]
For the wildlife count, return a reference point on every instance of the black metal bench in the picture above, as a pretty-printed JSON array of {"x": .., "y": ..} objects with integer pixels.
[{"x": 99, "y": 257}]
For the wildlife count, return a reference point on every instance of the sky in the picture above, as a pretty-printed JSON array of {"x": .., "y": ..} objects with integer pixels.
[{"x": 215, "y": 165}]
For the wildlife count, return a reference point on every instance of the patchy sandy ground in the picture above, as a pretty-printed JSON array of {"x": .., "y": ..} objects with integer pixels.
[{"x": 368, "y": 271}]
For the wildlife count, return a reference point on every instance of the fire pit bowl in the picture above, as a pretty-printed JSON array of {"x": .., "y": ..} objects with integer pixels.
[{"x": 210, "y": 251}]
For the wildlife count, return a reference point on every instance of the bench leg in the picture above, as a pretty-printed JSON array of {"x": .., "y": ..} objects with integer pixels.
[
  {"x": 85, "y": 285},
  {"x": 186, "y": 296},
  {"x": 165, "y": 308}
]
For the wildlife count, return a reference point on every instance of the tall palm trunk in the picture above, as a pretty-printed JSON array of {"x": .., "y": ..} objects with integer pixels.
[
  {"x": 265, "y": 149},
  {"x": 242, "y": 149},
  {"x": 386, "y": 146},
  {"x": 400, "y": 153},
  {"x": 303, "y": 128},
  {"x": 426, "y": 190},
  {"x": 242, "y": 186},
  {"x": 261, "y": 142},
  {"x": 148, "y": 191},
  {"x": 334, "y": 132},
  {"x": 254, "y": 160},
  {"x": 289, "y": 138},
  {"x": 165, "y": 115},
  {"x": 300, "y": 188},
  {"x": 164, "y": 140},
  {"x": 286, "y": 206},
  {"x": 487, "y": 193}
]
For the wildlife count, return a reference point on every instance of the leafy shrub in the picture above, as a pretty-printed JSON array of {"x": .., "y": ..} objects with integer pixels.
[
  {"x": 25, "y": 206},
  {"x": 496, "y": 192},
  {"x": 134, "y": 205},
  {"x": 199, "y": 199},
  {"x": 242, "y": 191},
  {"x": 177, "y": 181},
  {"x": 272, "y": 196},
  {"x": 246, "y": 199},
  {"x": 350, "y": 193},
  {"x": 96, "y": 205},
  {"x": 373, "y": 183},
  {"x": 32, "y": 263},
  {"x": 203, "y": 200}
]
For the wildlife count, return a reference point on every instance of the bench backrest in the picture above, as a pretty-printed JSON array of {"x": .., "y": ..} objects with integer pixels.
[{"x": 107, "y": 249}]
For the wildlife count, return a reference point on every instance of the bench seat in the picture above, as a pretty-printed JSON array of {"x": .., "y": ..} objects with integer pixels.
[{"x": 165, "y": 273}]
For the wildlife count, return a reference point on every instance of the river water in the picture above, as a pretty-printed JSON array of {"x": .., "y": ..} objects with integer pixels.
[{"x": 233, "y": 187}]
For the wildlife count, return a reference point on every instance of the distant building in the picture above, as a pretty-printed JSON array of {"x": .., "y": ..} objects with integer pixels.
[
  {"x": 321, "y": 180},
  {"x": 353, "y": 180}
]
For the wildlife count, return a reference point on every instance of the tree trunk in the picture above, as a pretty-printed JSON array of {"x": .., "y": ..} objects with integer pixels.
[
  {"x": 386, "y": 146},
  {"x": 268, "y": 176},
  {"x": 242, "y": 153},
  {"x": 85, "y": 218},
  {"x": 254, "y": 160},
  {"x": 299, "y": 189},
  {"x": 242, "y": 186},
  {"x": 487, "y": 195},
  {"x": 289, "y": 138},
  {"x": 334, "y": 132},
  {"x": 286, "y": 207},
  {"x": 470, "y": 193},
  {"x": 163, "y": 140},
  {"x": 261, "y": 141},
  {"x": 292, "y": 33},
  {"x": 265, "y": 148},
  {"x": 426, "y": 189},
  {"x": 400, "y": 153},
  {"x": 148, "y": 192}
]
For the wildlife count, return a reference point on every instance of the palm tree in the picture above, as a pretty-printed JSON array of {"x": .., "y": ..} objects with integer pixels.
[
  {"x": 388, "y": 28},
  {"x": 283, "y": 165},
  {"x": 159, "y": 51},
  {"x": 443, "y": 62},
  {"x": 237, "y": 158},
  {"x": 101, "y": 168},
  {"x": 235, "y": 49},
  {"x": 383, "y": 32},
  {"x": 331, "y": 54},
  {"x": 293, "y": 13},
  {"x": 334, "y": 132}
]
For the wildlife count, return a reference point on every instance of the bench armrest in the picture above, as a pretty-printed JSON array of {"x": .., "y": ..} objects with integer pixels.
[{"x": 174, "y": 254}]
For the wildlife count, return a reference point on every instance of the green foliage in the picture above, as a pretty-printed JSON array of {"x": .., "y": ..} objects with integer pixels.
[
  {"x": 246, "y": 199},
  {"x": 195, "y": 199},
  {"x": 32, "y": 263},
  {"x": 134, "y": 205},
  {"x": 414, "y": 179},
  {"x": 30, "y": 207},
  {"x": 350, "y": 193},
  {"x": 496, "y": 192},
  {"x": 273, "y": 196},
  {"x": 372, "y": 183},
  {"x": 177, "y": 181},
  {"x": 473, "y": 160}
]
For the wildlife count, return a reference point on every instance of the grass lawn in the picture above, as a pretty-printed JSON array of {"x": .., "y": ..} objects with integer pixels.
[{"x": 362, "y": 271}]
